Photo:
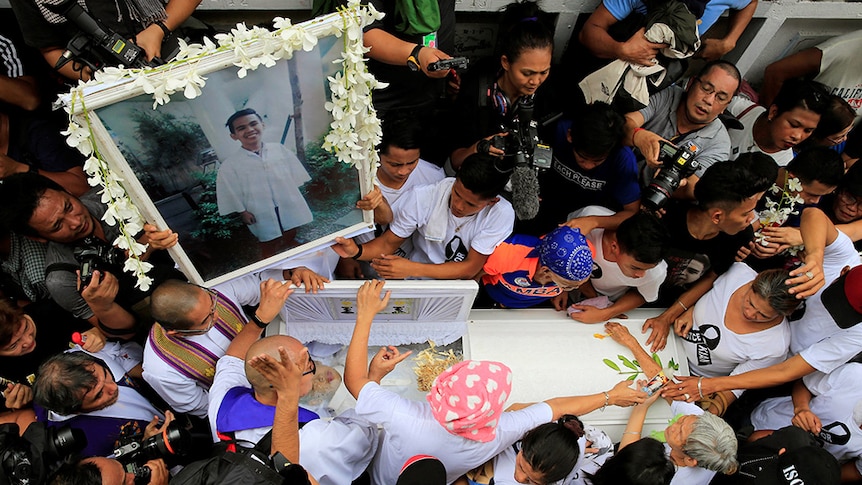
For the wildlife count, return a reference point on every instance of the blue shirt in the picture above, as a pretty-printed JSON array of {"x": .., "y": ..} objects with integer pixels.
[
  {"x": 621, "y": 9},
  {"x": 566, "y": 187}
]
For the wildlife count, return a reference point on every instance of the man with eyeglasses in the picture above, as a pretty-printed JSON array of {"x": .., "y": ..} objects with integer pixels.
[
  {"x": 679, "y": 116},
  {"x": 243, "y": 408},
  {"x": 195, "y": 326}
]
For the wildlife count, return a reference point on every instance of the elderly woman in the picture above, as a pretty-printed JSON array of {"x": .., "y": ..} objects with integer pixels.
[
  {"x": 698, "y": 443},
  {"x": 738, "y": 326}
]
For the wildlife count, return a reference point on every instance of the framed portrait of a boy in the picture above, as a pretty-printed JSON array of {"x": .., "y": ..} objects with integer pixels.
[{"x": 242, "y": 148}]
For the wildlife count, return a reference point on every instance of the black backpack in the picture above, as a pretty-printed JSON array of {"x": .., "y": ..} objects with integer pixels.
[{"x": 244, "y": 466}]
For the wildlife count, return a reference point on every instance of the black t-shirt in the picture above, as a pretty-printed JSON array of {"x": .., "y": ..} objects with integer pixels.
[
  {"x": 475, "y": 114},
  {"x": 688, "y": 258},
  {"x": 409, "y": 90}
]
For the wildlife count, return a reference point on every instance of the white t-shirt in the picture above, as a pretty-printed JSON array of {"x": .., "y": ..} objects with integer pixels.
[
  {"x": 335, "y": 451},
  {"x": 840, "y": 68},
  {"x": 688, "y": 475},
  {"x": 607, "y": 278},
  {"x": 742, "y": 141},
  {"x": 409, "y": 429},
  {"x": 713, "y": 350},
  {"x": 815, "y": 336},
  {"x": 482, "y": 231},
  {"x": 835, "y": 396}
]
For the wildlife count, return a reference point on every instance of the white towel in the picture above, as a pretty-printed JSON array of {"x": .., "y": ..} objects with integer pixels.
[{"x": 438, "y": 222}]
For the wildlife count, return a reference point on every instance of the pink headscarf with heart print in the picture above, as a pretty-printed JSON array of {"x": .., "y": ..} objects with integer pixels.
[{"x": 468, "y": 397}]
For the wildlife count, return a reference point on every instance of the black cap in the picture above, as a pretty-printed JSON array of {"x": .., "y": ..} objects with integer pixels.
[{"x": 422, "y": 470}]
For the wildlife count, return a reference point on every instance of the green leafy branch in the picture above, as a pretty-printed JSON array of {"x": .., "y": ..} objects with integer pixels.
[{"x": 635, "y": 366}]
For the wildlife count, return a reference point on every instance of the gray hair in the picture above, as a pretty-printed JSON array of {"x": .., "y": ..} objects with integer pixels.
[
  {"x": 171, "y": 303},
  {"x": 770, "y": 286},
  {"x": 63, "y": 380},
  {"x": 713, "y": 444}
]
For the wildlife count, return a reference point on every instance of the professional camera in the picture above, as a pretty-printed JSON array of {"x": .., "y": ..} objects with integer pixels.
[
  {"x": 522, "y": 142},
  {"x": 94, "y": 254},
  {"x": 677, "y": 163},
  {"x": 174, "y": 441},
  {"x": 96, "y": 45},
  {"x": 30, "y": 459}
]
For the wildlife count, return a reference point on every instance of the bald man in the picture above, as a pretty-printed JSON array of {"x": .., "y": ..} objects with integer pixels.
[{"x": 242, "y": 407}]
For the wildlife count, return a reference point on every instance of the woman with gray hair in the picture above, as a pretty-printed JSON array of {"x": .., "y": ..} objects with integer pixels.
[
  {"x": 698, "y": 443},
  {"x": 738, "y": 326}
]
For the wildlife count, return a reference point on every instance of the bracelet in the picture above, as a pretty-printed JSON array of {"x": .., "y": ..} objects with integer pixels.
[
  {"x": 632, "y": 432},
  {"x": 164, "y": 27},
  {"x": 257, "y": 321},
  {"x": 358, "y": 253},
  {"x": 635, "y": 133},
  {"x": 682, "y": 305},
  {"x": 607, "y": 400},
  {"x": 413, "y": 60},
  {"x": 699, "y": 388}
]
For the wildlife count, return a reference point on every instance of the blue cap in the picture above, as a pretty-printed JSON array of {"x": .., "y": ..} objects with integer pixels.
[{"x": 566, "y": 252}]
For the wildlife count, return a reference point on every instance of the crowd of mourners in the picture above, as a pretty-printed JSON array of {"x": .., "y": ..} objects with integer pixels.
[{"x": 644, "y": 172}]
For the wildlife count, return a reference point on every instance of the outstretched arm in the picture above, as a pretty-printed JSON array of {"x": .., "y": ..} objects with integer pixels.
[
  {"x": 791, "y": 369},
  {"x": 803, "y": 63},
  {"x": 368, "y": 304}
]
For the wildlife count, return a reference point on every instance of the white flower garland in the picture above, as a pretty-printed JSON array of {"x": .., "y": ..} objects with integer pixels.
[
  {"x": 355, "y": 129},
  {"x": 777, "y": 212}
]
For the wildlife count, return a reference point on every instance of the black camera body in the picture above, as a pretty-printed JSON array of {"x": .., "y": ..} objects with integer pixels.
[
  {"x": 97, "y": 46},
  {"x": 677, "y": 163},
  {"x": 34, "y": 456},
  {"x": 94, "y": 254},
  {"x": 174, "y": 441},
  {"x": 522, "y": 142}
]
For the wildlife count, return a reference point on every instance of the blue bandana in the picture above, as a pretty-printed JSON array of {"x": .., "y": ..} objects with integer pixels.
[{"x": 566, "y": 252}]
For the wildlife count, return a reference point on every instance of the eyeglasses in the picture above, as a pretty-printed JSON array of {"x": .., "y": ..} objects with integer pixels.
[
  {"x": 311, "y": 369},
  {"x": 208, "y": 322},
  {"x": 849, "y": 199},
  {"x": 707, "y": 89}
]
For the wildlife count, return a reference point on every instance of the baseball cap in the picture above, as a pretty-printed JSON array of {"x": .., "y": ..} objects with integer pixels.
[
  {"x": 422, "y": 470},
  {"x": 843, "y": 298}
]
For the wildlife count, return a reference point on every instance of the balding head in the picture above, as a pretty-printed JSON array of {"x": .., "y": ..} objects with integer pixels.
[
  {"x": 269, "y": 346},
  {"x": 175, "y": 303}
]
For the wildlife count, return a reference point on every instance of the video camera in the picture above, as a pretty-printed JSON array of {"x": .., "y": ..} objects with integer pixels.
[
  {"x": 677, "y": 163},
  {"x": 97, "y": 46},
  {"x": 94, "y": 254},
  {"x": 33, "y": 457},
  {"x": 522, "y": 142},
  {"x": 174, "y": 441}
]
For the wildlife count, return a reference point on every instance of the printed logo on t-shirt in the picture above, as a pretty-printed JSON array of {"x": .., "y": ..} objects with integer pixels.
[
  {"x": 455, "y": 250},
  {"x": 576, "y": 177},
  {"x": 706, "y": 338},
  {"x": 522, "y": 281},
  {"x": 836, "y": 433},
  {"x": 683, "y": 269},
  {"x": 597, "y": 271}
]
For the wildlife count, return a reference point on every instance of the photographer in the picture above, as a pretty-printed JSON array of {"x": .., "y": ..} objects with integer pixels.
[
  {"x": 678, "y": 115},
  {"x": 38, "y": 208},
  {"x": 97, "y": 470},
  {"x": 490, "y": 95},
  {"x": 145, "y": 23}
]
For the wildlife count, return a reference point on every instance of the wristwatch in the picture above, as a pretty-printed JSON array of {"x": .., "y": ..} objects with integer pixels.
[
  {"x": 257, "y": 321},
  {"x": 413, "y": 60}
]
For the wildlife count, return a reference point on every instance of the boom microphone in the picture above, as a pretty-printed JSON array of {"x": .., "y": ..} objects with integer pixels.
[{"x": 525, "y": 192}]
